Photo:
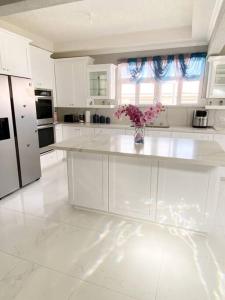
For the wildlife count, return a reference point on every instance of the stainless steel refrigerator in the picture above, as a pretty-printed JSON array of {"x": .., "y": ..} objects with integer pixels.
[{"x": 19, "y": 148}]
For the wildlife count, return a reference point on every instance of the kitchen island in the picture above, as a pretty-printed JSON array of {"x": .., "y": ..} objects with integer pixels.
[{"x": 167, "y": 180}]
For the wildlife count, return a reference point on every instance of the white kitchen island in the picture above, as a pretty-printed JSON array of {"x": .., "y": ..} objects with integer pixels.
[{"x": 167, "y": 180}]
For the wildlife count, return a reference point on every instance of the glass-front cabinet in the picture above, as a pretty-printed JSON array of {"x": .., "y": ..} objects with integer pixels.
[
  {"x": 216, "y": 77},
  {"x": 101, "y": 83}
]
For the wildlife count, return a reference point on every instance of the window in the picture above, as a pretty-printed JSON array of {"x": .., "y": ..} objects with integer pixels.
[
  {"x": 174, "y": 90},
  {"x": 168, "y": 92}
]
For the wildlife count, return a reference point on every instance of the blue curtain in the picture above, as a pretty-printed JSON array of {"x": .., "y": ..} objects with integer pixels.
[
  {"x": 137, "y": 69},
  {"x": 192, "y": 68},
  {"x": 163, "y": 69},
  {"x": 189, "y": 68}
]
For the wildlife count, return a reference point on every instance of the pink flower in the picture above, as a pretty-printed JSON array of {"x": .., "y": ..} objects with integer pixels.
[{"x": 137, "y": 117}]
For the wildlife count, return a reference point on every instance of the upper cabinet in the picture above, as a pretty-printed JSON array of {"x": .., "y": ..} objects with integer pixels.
[
  {"x": 216, "y": 77},
  {"x": 72, "y": 81},
  {"x": 42, "y": 68},
  {"x": 14, "y": 54},
  {"x": 101, "y": 82}
]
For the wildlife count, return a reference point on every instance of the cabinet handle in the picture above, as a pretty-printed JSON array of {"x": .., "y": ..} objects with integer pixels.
[
  {"x": 28, "y": 145},
  {"x": 24, "y": 105},
  {"x": 22, "y": 117}
]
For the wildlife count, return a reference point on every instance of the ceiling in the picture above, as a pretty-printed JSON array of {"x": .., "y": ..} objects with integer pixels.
[{"x": 100, "y": 25}]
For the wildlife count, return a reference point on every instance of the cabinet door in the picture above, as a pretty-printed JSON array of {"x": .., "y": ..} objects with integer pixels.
[
  {"x": 216, "y": 79},
  {"x": 108, "y": 131},
  {"x": 69, "y": 132},
  {"x": 16, "y": 56},
  {"x": 80, "y": 83},
  {"x": 65, "y": 87},
  {"x": 101, "y": 82},
  {"x": 42, "y": 68},
  {"x": 87, "y": 131},
  {"x": 58, "y": 133},
  {"x": 194, "y": 136},
  {"x": 88, "y": 180},
  {"x": 130, "y": 186},
  {"x": 183, "y": 195},
  {"x": 153, "y": 133}
]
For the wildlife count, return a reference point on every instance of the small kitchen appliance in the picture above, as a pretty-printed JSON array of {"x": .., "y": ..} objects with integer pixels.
[{"x": 200, "y": 118}]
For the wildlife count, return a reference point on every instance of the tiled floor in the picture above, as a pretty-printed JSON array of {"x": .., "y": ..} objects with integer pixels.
[{"x": 51, "y": 251}]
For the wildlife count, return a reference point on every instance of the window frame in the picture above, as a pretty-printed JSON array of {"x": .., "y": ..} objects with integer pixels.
[{"x": 157, "y": 91}]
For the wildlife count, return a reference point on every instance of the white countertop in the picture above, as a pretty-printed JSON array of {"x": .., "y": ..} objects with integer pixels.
[
  {"x": 186, "y": 150},
  {"x": 169, "y": 129}
]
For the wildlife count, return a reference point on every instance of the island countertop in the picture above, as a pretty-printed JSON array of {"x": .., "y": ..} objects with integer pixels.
[{"x": 186, "y": 150}]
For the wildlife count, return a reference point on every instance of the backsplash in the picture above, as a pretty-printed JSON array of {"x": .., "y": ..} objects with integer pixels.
[{"x": 173, "y": 116}]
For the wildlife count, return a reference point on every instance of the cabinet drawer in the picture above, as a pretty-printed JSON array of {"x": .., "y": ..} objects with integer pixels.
[
  {"x": 70, "y": 132},
  {"x": 153, "y": 133},
  {"x": 195, "y": 136},
  {"x": 108, "y": 131}
]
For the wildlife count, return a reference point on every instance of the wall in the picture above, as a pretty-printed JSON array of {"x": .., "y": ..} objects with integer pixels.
[
  {"x": 173, "y": 116},
  {"x": 114, "y": 58}
]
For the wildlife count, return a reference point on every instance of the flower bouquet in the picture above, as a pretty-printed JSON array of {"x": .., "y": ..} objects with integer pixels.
[{"x": 139, "y": 118}]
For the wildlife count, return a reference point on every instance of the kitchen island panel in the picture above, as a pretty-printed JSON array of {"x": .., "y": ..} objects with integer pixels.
[
  {"x": 130, "y": 186},
  {"x": 88, "y": 180}
]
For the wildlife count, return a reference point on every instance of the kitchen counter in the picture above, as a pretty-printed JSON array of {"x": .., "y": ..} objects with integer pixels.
[
  {"x": 167, "y": 180},
  {"x": 186, "y": 150},
  {"x": 169, "y": 129}
]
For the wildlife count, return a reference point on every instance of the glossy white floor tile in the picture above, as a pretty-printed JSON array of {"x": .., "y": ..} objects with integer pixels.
[{"x": 49, "y": 250}]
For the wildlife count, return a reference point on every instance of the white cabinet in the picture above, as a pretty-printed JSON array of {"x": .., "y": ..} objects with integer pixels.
[
  {"x": 130, "y": 187},
  {"x": 14, "y": 54},
  {"x": 88, "y": 180},
  {"x": 59, "y": 138},
  {"x": 101, "y": 82},
  {"x": 184, "y": 195},
  {"x": 151, "y": 133},
  {"x": 108, "y": 131},
  {"x": 220, "y": 139},
  {"x": 216, "y": 77},
  {"x": 42, "y": 68},
  {"x": 87, "y": 131},
  {"x": 58, "y": 133},
  {"x": 194, "y": 136},
  {"x": 70, "y": 132},
  {"x": 71, "y": 81}
]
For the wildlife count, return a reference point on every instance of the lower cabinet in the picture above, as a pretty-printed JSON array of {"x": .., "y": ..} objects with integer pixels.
[
  {"x": 88, "y": 180},
  {"x": 59, "y": 138},
  {"x": 151, "y": 133},
  {"x": 195, "y": 136},
  {"x": 87, "y": 131},
  {"x": 70, "y": 132},
  {"x": 108, "y": 131},
  {"x": 166, "y": 192},
  {"x": 130, "y": 191},
  {"x": 185, "y": 193},
  {"x": 220, "y": 139}
]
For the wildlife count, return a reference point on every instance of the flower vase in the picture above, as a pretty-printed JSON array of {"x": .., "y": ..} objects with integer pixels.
[{"x": 139, "y": 135}]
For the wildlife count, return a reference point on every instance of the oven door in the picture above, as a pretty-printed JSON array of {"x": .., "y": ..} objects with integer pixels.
[
  {"x": 46, "y": 135},
  {"x": 44, "y": 110}
]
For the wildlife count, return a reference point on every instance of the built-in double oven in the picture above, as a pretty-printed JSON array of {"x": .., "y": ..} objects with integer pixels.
[{"x": 45, "y": 119}]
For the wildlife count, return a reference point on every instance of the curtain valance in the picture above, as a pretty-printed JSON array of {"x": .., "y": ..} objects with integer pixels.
[{"x": 186, "y": 66}]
